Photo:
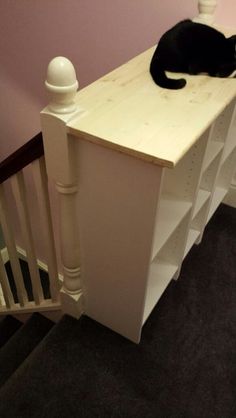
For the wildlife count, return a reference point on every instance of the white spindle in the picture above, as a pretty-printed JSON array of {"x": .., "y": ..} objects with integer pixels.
[
  {"x": 6, "y": 290},
  {"x": 206, "y": 10},
  {"x": 11, "y": 247},
  {"x": 19, "y": 191},
  {"x": 41, "y": 184}
]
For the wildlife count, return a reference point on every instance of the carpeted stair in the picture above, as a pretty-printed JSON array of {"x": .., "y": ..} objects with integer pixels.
[
  {"x": 184, "y": 367},
  {"x": 8, "y": 326},
  {"x": 20, "y": 345}
]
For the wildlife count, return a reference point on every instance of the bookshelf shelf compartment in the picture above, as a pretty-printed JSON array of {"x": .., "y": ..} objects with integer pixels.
[
  {"x": 213, "y": 150},
  {"x": 160, "y": 275},
  {"x": 193, "y": 236},
  {"x": 165, "y": 265},
  {"x": 229, "y": 150},
  {"x": 198, "y": 222},
  {"x": 171, "y": 213},
  {"x": 209, "y": 175},
  {"x": 218, "y": 196},
  {"x": 203, "y": 196}
]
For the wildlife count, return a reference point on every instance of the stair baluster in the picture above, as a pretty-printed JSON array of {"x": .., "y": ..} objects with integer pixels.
[
  {"x": 11, "y": 247},
  {"x": 6, "y": 290},
  {"x": 19, "y": 191}
]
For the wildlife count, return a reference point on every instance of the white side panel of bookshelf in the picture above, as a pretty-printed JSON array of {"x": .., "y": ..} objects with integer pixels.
[{"x": 117, "y": 203}]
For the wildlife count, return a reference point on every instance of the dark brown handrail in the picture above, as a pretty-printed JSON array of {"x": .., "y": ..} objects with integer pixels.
[{"x": 32, "y": 150}]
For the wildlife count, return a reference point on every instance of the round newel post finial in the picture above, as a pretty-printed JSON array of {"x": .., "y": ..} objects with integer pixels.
[
  {"x": 62, "y": 85},
  {"x": 206, "y": 10}
]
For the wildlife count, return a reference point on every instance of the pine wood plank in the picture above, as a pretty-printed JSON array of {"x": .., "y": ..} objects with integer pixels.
[{"x": 126, "y": 111}]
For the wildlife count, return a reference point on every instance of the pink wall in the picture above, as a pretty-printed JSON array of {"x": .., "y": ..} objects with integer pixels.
[
  {"x": 96, "y": 35},
  {"x": 226, "y": 13}
]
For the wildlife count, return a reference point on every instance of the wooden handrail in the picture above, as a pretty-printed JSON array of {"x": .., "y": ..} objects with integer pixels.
[{"x": 32, "y": 150}]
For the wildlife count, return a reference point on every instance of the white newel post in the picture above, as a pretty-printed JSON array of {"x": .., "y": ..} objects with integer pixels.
[
  {"x": 61, "y": 84},
  {"x": 206, "y": 10}
]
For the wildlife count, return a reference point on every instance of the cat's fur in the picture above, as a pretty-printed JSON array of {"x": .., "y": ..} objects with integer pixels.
[{"x": 192, "y": 48}]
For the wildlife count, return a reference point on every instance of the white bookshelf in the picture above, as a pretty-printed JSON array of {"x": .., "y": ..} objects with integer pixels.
[{"x": 152, "y": 167}]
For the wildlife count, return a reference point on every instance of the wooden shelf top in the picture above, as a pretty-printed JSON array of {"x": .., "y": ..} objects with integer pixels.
[{"x": 127, "y": 112}]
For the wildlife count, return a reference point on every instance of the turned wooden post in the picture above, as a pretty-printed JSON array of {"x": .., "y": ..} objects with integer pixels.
[
  {"x": 206, "y": 10},
  {"x": 61, "y": 84}
]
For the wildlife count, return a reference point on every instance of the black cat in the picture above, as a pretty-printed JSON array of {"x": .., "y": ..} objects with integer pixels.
[{"x": 192, "y": 48}]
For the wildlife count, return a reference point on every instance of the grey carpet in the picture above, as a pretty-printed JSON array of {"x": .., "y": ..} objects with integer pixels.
[{"x": 184, "y": 367}]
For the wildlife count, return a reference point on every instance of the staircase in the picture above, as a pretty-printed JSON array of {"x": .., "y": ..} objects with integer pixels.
[
  {"x": 18, "y": 293},
  {"x": 184, "y": 366}
]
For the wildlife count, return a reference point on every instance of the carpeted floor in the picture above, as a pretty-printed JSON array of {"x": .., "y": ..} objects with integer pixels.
[{"x": 184, "y": 367}]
